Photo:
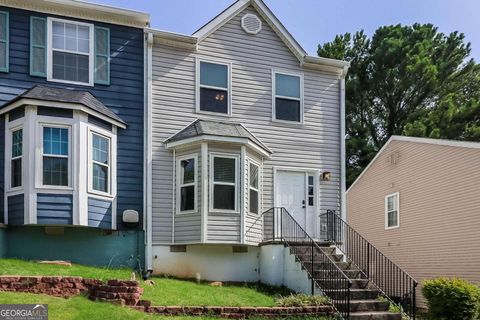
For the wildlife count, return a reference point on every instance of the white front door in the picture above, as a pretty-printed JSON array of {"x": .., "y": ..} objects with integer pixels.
[{"x": 290, "y": 194}]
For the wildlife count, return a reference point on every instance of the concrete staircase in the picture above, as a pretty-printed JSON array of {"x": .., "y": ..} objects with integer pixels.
[{"x": 365, "y": 303}]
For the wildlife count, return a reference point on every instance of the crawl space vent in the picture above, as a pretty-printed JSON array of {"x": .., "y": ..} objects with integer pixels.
[
  {"x": 393, "y": 158},
  {"x": 251, "y": 23}
]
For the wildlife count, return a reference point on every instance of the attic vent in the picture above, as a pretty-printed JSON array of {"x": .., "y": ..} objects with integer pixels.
[
  {"x": 393, "y": 158},
  {"x": 251, "y": 23}
]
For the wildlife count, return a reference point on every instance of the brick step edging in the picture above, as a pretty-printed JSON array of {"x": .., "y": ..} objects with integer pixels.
[{"x": 238, "y": 312}]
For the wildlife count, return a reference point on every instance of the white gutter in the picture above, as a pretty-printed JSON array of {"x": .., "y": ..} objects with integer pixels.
[
  {"x": 148, "y": 156},
  {"x": 343, "y": 167}
]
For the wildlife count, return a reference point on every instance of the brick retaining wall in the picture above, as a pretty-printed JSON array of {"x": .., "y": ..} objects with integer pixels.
[{"x": 129, "y": 293}]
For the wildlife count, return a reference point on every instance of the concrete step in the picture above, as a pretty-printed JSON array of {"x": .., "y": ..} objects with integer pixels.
[
  {"x": 355, "y": 294},
  {"x": 307, "y": 249},
  {"x": 356, "y": 283},
  {"x": 327, "y": 274},
  {"x": 326, "y": 265},
  {"x": 307, "y": 257},
  {"x": 375, "y": 315},
  {"x": 363, "y": 305}
]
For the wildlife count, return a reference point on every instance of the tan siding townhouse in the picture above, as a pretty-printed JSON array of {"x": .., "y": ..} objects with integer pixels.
[{"x": 418, "y": 202}]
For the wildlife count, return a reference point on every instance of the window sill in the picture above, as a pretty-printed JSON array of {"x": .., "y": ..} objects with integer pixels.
[
  {"x": 186, "y": 213},
  {"x": 211, "y": 113},
  {"x": 90, "y": 84},
  {"x": 390, "y": 228},
  {"x": 55, "y": 188},
  {"x": 290, "y": 123},
  {"x": 100, "y": 194},
  {"x": 224, "y": 211}
]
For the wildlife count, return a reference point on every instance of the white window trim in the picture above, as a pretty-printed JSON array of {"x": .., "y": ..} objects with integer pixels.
[
  {"x": 274, "y": 96},
  {"x": 39, "y": 146},
  {"x": 91, "y": 54},
  {"x": 212, "y": 183},
  {"x": 111, "y": 176},
  {"x": 198, "y": 86},
  {"x": 12, "y": 127},
  {"x": 397, "y": 194},
  {"x": 250, "y": 161},
  {"x": 179, "y": 185}
]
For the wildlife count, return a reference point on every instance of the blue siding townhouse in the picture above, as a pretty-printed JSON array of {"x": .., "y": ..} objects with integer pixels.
[{"x": 71, "y": 132}]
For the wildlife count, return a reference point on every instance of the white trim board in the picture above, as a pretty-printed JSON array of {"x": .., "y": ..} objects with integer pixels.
[{"x": 439, "y": 142}]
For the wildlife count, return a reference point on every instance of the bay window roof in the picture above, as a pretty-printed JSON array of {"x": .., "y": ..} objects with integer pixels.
[
  {"x": 208, "y": 130},
  {"x": 64, "y": 98}
]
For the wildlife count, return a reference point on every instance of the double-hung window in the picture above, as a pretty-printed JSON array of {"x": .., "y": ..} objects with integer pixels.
[
  {"x": 187, "y": 184},
  {"x": 16, "y": 162},
  {"x": 70, "y": 56},
  {"x": 288, "y": 97},
  {"x": 100, "y": 163},
  {"x": 392, "y": 211},
  {"x": 214, "y": 84},
  {"x": 253, "y": 189},
  {"x": 4, "y": 41},
  {"x": 224, "y": 183},
  {"x": 55, "y": 157}
]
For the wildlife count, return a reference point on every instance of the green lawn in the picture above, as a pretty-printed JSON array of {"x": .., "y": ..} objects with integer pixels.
[
  {"x": 165, "y": 292},
  {"x": 176, "y": 292},
  {"x": 28, "y": 268}
]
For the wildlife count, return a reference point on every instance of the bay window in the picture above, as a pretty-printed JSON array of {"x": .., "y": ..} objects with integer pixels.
[
  {"x": 187, "y": 184},
  {"x": 253, "y": 189},
  {"x": 224, "y": 183},
  {"x": 213, "y": 87},
  {"x": 16, "y": 162},
  {"x": 287, "y": 97},
  {"x": 55, "y": 156},
  {"x": 100, "y": 163}
]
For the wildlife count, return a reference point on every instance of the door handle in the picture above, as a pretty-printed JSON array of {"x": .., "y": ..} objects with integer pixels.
[{"x": 303, "y": 204}]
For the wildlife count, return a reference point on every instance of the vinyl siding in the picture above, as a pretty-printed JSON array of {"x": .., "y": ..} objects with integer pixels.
[
  {"x": 438, "y": 188},
  {"x": 2, "y": 169},
  {"x": 53, "y": 209},
  {"x": 99, "y": 213},
  {"x": 188, "y": 226},
  {"x": 16, "y": 210},
  {"x": 124, "y": 95},
  {"x": 315, "y": 144}
]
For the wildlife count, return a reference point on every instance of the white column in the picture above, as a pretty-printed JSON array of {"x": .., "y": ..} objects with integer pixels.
[
  {"x": 31, "y": 156},
  {"x": 205, "y": 191},
  {"x": 81, "y": 158}
]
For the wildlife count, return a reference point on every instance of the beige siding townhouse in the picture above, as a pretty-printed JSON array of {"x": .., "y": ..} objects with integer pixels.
[{"x": 418, "y": 202}]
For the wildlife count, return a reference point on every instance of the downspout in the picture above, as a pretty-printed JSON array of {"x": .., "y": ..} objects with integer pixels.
[
  {"x": 343, "y": 167},
  {"x": 148, "y": 156}
]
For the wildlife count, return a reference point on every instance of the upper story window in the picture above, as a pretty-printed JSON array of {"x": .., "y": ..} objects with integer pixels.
[
  {"x": 55, "y": 156},
  {"x": 187, "y": 184},
  {"x": 213, "y": 92},
  {"x": 4, "y": 41},
  {"x": 70, "y": 56},
  {"x": 392, "y": 204},
  {"x": 16, "y": 162},
  {"x": 287, "y": 97},
  {"x": 224, "y": 183},
  {"x": 253, "y": 187},
  {"x": 100, "y": 163}
]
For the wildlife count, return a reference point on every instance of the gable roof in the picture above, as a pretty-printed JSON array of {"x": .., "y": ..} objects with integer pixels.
[
  {"x": 63, "y": 95},
  {"x": 233, "y": 10},
  {"x": 439, "y": 142},
  {"x": 217, "y": 129}
]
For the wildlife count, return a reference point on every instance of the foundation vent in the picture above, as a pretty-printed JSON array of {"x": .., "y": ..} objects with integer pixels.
[{"x": 251, "y": 24}]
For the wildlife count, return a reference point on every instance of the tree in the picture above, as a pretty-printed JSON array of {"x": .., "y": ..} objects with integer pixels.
[{"x": 404, "y": 80}]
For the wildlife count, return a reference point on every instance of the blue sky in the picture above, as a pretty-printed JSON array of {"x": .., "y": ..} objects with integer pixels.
[{"x": 317, "y": 21}]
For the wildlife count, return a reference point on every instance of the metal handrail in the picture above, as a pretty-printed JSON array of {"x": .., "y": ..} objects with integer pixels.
[
  {"x": 394, "y": 283},
  {"x": 332, "y": 280}
]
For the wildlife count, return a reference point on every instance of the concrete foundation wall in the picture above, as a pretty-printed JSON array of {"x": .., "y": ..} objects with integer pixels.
[
  {"x": 278, "y": 267},
  {"x": 3, "y": 242},
  {"x": 208, "y": 262},
  {"x": 79, "y": 245},
  {"x": 271, "y": 264}
]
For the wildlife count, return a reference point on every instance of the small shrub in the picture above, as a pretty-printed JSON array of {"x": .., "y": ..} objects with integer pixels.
[
  {"x": 452, "y": 299},
  {"x": 300, "y": 300}
]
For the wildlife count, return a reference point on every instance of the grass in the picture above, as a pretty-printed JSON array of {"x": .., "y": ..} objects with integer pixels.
[
  {"x": 176, "y": 292},
  {"x": 28, "y": 268},
  {"x": 166, "y": 291}
]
